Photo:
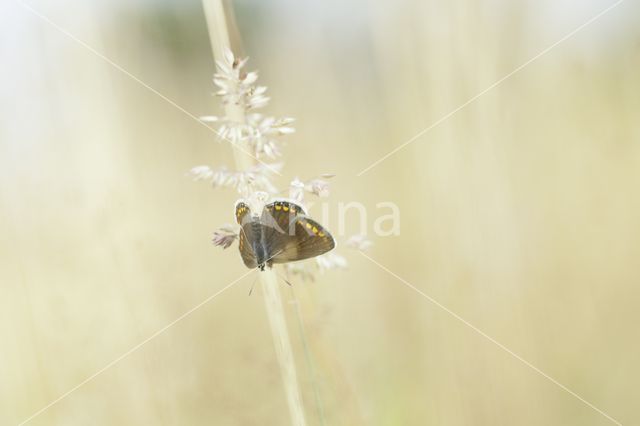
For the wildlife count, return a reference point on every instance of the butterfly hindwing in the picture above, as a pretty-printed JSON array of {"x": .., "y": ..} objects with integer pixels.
[
  {"x": 290, "y": 235},
  {"x": 310, "y": 239}
]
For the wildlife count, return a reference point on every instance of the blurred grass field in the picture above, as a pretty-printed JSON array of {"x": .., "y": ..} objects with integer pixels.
[{"x": 520, "y": 213}]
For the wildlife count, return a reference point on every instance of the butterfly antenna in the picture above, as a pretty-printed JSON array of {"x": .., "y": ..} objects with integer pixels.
[{"x": 285, "y": 280}]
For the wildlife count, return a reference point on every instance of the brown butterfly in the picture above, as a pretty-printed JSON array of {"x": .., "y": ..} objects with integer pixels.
[{"x": 282, "y": 233}]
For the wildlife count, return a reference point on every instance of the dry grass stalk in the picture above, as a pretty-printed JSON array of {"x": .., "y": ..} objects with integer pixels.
[{"x": 219, "y": 35}]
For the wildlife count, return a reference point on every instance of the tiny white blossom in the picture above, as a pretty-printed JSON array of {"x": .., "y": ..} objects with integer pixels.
[
  {"x": 237, "y": 86},
  {"x": 225, "y": 236},
  {"x": 260, "y": 134},
  {"x": 318, "y": 187},
  {"x": 300, "y": 269},
  {"x": 331, "y": 261},
  {"x": 359, "y": 242},
  {"x": 201, "y": 173},
  {"x": 245, "y": 182},
  {"x": 296, "y": 190}
]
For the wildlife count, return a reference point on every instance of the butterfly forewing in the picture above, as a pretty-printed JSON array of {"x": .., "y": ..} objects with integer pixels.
[
  {"x": 247, "y": 235},
  {"x": 279, "y": 218},
  {"x": 243, "y": 212}
]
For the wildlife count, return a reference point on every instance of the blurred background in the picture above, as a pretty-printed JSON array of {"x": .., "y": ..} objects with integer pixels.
[{"x": 520, "y": 213}]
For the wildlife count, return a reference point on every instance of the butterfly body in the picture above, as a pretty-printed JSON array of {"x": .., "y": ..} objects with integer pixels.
[
  {"x": 281, "y": 233},
  {"x": 259, "y": 245}
]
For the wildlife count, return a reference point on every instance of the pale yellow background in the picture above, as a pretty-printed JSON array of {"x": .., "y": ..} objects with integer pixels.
[{"x": 520, "y": 213}]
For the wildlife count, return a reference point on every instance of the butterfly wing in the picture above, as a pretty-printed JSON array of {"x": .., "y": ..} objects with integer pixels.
[
  {"x": 309, "y": 240},
  {"x": 290, "y": 235},
  {"x": 279, "y": 217},
  {"x": 247, "y": 235}
]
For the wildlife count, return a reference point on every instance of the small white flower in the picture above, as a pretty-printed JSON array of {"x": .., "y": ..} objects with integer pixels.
[
  {"x": 225, "y": 236},
  {"x": 300, "y": 269},
  {"x": 249, "y": 78},
  {"x": 296, "y": 190},
  {"x": 260, "y": 134},
  {"x": 201, "y": 173},
  {"x": 318, "y": 187},
  {"x": 331, "y": 261},
  {"x": 245, "y": 182},
  {"x": 237, "y": 86},
  {"x": 228, "y": 56},
  {"x": 359, "y": 242}
]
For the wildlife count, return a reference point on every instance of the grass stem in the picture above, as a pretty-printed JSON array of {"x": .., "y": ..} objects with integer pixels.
[{"x": 220, "y": 41}]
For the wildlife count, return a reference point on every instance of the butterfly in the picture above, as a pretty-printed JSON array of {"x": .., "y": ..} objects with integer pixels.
[{"x": 282, "y": 233}]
